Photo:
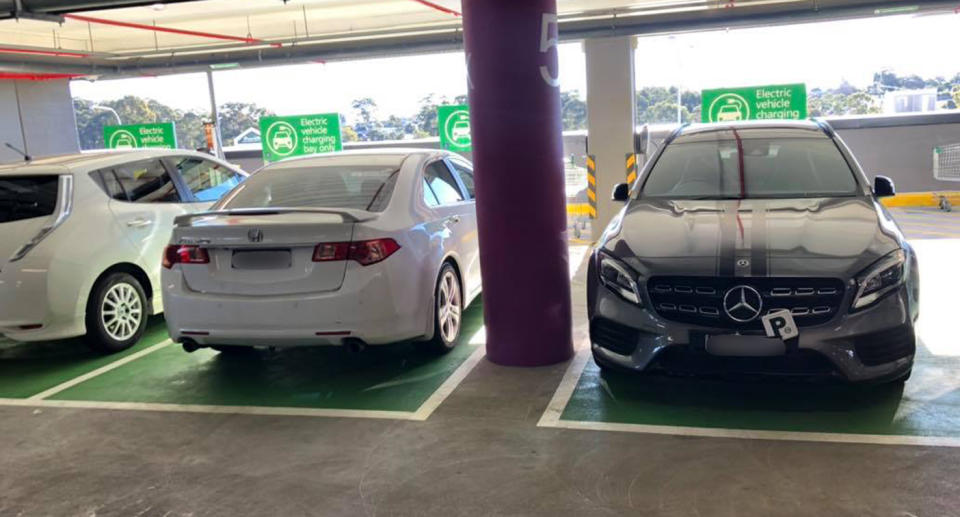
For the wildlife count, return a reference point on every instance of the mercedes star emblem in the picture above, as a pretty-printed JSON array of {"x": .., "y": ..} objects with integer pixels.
[{"x": 742, "y": 303}]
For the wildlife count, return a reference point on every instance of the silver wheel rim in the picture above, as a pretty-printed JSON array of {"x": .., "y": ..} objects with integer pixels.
[
  {"x": 121, "y": 311},
  {"x": 449, "y": 307}
]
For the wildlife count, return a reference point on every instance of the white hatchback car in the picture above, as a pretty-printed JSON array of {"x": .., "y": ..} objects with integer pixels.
[
  {"x": 352, "y": 248},
  {"x": 82, "y": 237}
]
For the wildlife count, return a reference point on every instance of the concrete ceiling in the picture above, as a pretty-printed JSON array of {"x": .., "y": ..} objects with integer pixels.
[{"x": 198, "y": 35}]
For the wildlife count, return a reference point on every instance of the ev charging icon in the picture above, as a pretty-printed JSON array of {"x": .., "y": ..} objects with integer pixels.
[{"x": 780, "y": 324}]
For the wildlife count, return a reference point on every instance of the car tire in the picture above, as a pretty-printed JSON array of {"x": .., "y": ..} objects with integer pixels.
[
  {"x": 447, "y": 311},
  {"x": 117, "y": 313}
]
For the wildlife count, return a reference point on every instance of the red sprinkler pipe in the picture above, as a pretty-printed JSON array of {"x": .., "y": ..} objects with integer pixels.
[
  {"x": 35, "y": 77},
  {"x": 130, "y": 25},
  {"x": 37, "y": 52},
  {"x": 438, "y": 7}
]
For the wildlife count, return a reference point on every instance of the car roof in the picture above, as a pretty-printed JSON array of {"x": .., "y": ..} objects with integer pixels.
[
  {"x": 401, "y": 154},
  {"x": 89, "y": 160},
  {"x": 809, "y": 125}
]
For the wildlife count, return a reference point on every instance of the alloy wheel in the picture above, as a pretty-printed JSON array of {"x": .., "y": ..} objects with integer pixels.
[
  {"x": 449, "y": 307},
  {"x": 121, "y": 311}
]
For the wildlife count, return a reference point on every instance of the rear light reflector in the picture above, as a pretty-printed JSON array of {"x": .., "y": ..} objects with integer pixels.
[
  {"x": 364, "y": 252},
  {"x": 331, "y": 251},
  {"x": 184, "y": 254}
]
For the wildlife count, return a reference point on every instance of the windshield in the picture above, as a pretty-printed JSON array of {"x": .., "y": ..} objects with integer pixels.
[
  {"x": 360, "y": 187},
  {"x": 26, "y": 197},
  {"x": 744, "y": 164}
]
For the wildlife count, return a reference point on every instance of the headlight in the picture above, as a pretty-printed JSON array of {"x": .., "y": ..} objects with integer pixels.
[
  {"x": 617, "y": 277},
  {"x": 879, "y": 279}
]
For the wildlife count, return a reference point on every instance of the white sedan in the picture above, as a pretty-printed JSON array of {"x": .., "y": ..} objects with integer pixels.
[
  {"x": 81, "y": 237},
  {"x": 353, "y": 249}
]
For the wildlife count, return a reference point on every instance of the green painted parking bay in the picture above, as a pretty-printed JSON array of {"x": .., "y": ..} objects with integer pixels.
[
  {"x": 28, "y": 369},
  {"x": 926, "y": 407},
  {"x": 396, "y": 380}
]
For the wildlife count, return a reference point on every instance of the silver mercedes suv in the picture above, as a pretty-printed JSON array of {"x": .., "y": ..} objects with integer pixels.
[{"x": 755, "y": 248}]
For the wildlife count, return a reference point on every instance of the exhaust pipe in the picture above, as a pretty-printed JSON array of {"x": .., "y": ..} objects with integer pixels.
[
  {"x": 190, "y": 346},
  {"x": 354, "y": 345}
]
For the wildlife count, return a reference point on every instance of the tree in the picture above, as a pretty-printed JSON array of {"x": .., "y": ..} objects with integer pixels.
[
  {"x": 237, "y": 117},
  {"x": 573, "y": 110}
]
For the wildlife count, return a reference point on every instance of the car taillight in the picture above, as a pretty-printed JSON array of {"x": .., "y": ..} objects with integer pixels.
[
  {"x": 364, "y": 252},
  {"x": 184, "y": 254}
]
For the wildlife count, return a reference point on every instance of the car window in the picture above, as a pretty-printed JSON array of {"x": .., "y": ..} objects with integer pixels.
[
  {"x": 26, "y": 197},
  {"x": 428, "y": 196},
  {"x": 741, "y": 165},
  {"x": 466, "y": 176},
  {"x": 147, "y": 182},
  {"x": 360, "y": 187},
  {"x": 441, "y": 181},
  {"x": 109, "y": 183},
  {"x": 207, "y": 180}
]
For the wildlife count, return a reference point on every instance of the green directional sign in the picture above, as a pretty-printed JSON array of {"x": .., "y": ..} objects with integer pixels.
[
  {"x": 138, "y": 136},
  {"x": 779, "y": 101},
  {"x": 300, "y": 135},
  {"x": 453, "y": 123}
]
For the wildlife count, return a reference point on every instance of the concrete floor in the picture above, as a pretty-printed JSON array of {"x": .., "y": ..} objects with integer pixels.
[{"x": 480, "y": 453}]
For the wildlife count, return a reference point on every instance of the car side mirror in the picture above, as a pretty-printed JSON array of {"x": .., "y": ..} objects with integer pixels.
[
  {"x": 883, "y": 187},
  {"x": 621, "y": 192}
]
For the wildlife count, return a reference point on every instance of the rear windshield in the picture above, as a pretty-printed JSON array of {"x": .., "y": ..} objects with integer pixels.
[
  {"x": 360, "y": 187},
  {"x": 26, "y": 197},
  {"x": 750, "y": 164}
]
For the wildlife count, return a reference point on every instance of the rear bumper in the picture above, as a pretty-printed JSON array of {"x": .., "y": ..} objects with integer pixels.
[
  {"x": 872, "y": 345},
  {"x": 376, "y": 309},
  {"x": 24, "y": 301}
]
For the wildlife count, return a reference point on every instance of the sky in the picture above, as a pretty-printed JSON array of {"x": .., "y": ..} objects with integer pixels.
[{"x": 820, "y": 55}]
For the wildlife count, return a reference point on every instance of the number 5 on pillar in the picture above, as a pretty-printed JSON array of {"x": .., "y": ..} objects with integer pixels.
[{"x": 546, "y": 43}]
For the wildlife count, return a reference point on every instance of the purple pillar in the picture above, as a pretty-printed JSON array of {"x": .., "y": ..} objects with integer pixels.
[{"x": 518, "y": 156}]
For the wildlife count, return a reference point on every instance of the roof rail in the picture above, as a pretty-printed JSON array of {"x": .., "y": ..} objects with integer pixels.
[{"x": 824, "y": 125}]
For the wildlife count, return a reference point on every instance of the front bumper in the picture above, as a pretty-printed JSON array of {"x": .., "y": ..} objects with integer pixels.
[{"x": 874, "y": 344}]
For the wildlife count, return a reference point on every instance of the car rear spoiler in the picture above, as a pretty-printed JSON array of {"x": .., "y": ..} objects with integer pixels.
[{"x": 350, "y": 215}]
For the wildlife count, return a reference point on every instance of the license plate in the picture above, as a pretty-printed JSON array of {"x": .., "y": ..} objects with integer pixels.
[
  {"x": 262, "y": 259},
  {"x": 735, "y": 345}
]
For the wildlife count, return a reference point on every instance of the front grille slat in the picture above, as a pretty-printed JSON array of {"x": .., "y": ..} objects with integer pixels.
[{"x": 699, "y": 300}]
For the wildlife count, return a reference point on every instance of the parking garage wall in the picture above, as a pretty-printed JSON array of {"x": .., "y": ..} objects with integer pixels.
[
  {"x": 36, "y": 116},
  {"x": 900, "y": 147}
]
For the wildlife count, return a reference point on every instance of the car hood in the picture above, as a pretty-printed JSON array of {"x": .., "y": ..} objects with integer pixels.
[{"x": 827, "y": 237}]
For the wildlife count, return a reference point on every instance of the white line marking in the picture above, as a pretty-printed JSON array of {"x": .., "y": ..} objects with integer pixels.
[
  {"x": 431, "y": 404},
  {"x": 99, "y": 371},
  {"x": 211, "y": 409},
  {"x": 708, "y": 432},
  {"x": 551, "y": 418},
  {"x": 422, "y": 413}
]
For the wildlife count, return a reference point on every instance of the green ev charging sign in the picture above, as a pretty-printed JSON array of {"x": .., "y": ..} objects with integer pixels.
[
  {"x": 300, "y": 135},
  {"x": 162, "y": 135},
  {"x": 453, "y": 123},
  {"x": 782, "y": 101}
]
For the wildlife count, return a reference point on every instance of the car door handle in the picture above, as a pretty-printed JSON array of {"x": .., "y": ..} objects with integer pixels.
[
  {"x": 454, "y": 219},
  {"x": 139, "y": 223}
]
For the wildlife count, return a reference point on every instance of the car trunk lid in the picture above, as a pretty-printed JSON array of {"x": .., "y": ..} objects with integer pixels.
[{"x": 265, "y": 252}]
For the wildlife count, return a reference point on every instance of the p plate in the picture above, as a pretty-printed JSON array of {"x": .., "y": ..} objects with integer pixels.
[{"x": 780, "y": 324}]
